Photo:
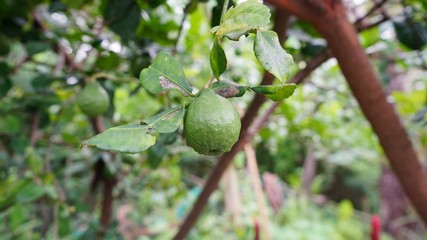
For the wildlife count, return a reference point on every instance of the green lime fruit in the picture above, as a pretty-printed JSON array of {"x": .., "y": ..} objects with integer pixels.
[
  {"x": 93, "y": 100},
  {"x": 211, "y": 124}
]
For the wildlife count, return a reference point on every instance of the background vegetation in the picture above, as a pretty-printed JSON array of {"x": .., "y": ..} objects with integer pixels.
[{"x": 323, "y": 171}]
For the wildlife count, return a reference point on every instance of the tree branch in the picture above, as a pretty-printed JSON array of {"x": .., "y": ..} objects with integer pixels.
[
  {"x": 253, "y": 170},
  {"x": 343, "y": 41},
  {"x": 35, "y": 122},
  {"x": 109, "y": 183},
  {"x": 361, "y": 28},
  {"x": 107, "y": 205},
  {"x": 309, "y": 171},
  {"x": 307, "y": 8},
  {"x": 320, "y": 5},
  {"x": 376, "y": 6}
]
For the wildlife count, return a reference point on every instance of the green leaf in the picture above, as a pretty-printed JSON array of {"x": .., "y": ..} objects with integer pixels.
[
  {"x": 64, "y": 222},
  {"x": 271, "y": 55},
  {"x": 121, "y": 16},
  {"x": 229, "y": 89},
  {"x": 218, "y": 59},
  {"x": 9, "y": 190},
  {"x": 164, "y": 73},
  {"x": 31, "y": 192},
  {"x": 167, "y": 121},
  {"x": 156, "y": 3},
  {"x": 370, "y": 37},
  {"x": 108, "y": 60},
  {"x": 161, "y": 149},
  {"x": 130, "y": 138},
  {"x": 413, "y": 35},
  {"x": 242, "y": 19},
  {"x": 276, "y": 92},
  {"x": 10, "y": 124},
  {"x": 191, "y": 6},
  {"x": 5, "y": 83},
  {"x": 42, "y": 100},
  {"x": 41, "y": 82},
  {"x": 17, "y": 215},
  {"x": 51, "y": 191},
  {"x": 34, "y": 161},
  {"x": 34, "y": 47},
  {"x": 313, "y": 47}
]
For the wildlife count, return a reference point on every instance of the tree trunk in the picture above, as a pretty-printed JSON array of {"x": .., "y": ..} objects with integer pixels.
[{"x": 330, "y": 19}]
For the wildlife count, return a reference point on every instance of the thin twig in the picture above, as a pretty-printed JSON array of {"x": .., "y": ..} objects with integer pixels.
[
  {"x": 107, "y": 206},
  {"x": 376, "y": 6},
  {"x": 257, "y": 186},
  {"x": 224, "y": 10},
  {"x": 35, "y": 122},
  {"x": 232, "y": 198},
  {"x": 111, "y": 77},
  {"x": 309, "y": 170},
  {"x": 55, "y": 221},
  {"x": 364, "y": 27},
  {"x": 60, "y": 64},
  {"x": 180, "y": 30},
  {"x": 109, "y": 183}
]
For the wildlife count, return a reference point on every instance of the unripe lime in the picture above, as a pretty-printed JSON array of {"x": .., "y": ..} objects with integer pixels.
[
  {"x": 93, "y": 100},
  {"x": 211, "y": 124}
]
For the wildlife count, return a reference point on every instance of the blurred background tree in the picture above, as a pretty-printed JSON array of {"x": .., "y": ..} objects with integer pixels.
[{"x": 323, "y": 170}]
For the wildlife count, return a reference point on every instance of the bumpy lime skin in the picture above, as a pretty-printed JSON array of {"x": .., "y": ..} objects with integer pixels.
[
  {"x": 93, "y": 100},
  {"x": 211, "y": 124}
]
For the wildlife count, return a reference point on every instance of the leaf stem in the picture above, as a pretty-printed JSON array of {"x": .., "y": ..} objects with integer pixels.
[
  {"x": 209, "y": 82},
  {"x": 180, "y": 30},
  {"x": 224, "y": 10},
  {"x": 105, "y": 75}
]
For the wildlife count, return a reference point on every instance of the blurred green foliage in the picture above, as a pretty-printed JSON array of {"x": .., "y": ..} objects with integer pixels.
[{"x": 49, "y": 48}]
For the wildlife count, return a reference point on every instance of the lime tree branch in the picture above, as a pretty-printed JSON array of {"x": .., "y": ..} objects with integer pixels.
[
  {"x": 109, "y": 183},
  {"x": 343, "y": 42},
  {"x": 376, "y": 6}
]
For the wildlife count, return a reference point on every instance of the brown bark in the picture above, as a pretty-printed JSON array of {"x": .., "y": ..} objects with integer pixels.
[
  {"x": 253, "y": 171},
  {"x": 310, "y": 166},
  {"x": 107, "y": 205},
  {"x": 343, "y": 41},
  {"x": 109, "y": 183},
  {"x": 35, "y": 122}
]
